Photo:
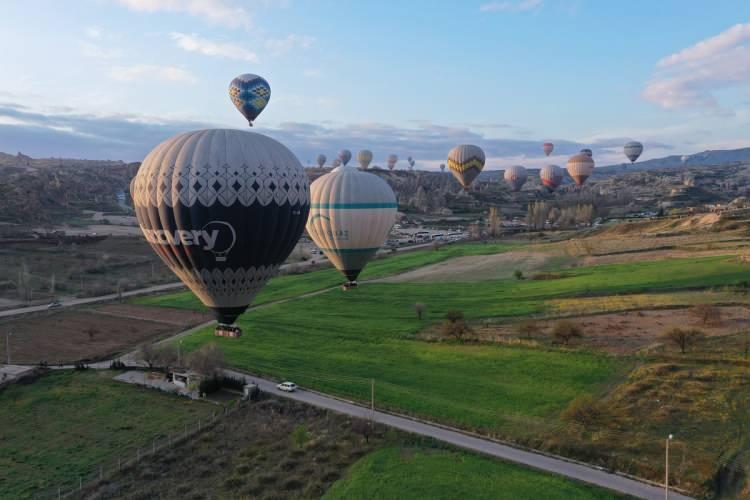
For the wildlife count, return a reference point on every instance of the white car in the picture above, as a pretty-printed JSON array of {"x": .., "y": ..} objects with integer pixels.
[{"x": 287, "y": 386}]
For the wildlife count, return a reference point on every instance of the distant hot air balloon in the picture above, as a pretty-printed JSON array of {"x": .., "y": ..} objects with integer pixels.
[
  {"x": 250, "y": 94},
  {"x": 409, "y": 159},
  {"x": 580, "y": 167},
  {"x": 587, "y": 152},
  {"x": 466, "y": 161},
  {"x": 344, "y": 156},
  {"x": 548, "y": 147},
  {"x": 351, "y": 216},
  {"x": 633, "y": 150},
  {"x": 411, "y": 162},
  {"x": 364, "y": 157},
  {"x": 515, "y": 176},
  {"x": 392, "y": 160},
  {"x": 684, "y": 159},
  {"x": 551, "y": 176},
  {"x": 223, "y": 209},
  {"x": 442, "y": 167},
  {"x": 321, "y": 160},
  {"x": 336, "y": 163}
]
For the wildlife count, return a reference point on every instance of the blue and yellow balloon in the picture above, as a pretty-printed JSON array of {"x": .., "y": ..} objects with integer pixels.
[{"x": 250, "y": 94}]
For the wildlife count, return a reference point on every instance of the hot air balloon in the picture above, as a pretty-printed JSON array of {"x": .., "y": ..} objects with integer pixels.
[
  {"x": 392, "y": 160},
  {"x": 223, "y": 209},
  {"x": 321, "y": 160},
  {"x": 580, "y": 167},
  {"x": 364, "y": 157},
  {"x": 409, "y": 159},
  {"x": 250, "y": 94},
  {"x": 684, "y": 159},
  {"x": 336, "y": 163},
  {"x": 587, "y": 152},
  {"x": 551, "y": 176},
  {"x": 633, "y": 150},
  {"x": 515, "y": 176},
  {"x": 466, "y": 161},
  {"x": 442, "y": 167},
  {"x": 548, "y": 147},
  {"x": 411, "y": 163},
  {"x": 351, "y": 216},
  {"x": 344, "y": 156}
]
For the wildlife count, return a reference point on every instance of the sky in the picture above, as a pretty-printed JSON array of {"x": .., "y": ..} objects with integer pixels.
[{"x": 110, "y": 79}]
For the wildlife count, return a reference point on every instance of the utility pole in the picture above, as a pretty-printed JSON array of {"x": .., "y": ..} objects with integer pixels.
[
  {"x": 7, "y": 347},
  {"x": 666, "y": 468},
  {"x": 372, "y": 402}
]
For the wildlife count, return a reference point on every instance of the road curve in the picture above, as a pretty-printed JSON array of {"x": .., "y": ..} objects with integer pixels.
[{"x": 537, "y": 461}]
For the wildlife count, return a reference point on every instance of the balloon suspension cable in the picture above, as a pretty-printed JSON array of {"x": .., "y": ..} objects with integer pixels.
[{"x": 249, "y": 123}]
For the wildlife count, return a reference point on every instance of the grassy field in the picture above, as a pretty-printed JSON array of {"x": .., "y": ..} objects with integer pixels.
[
  {"x": 284, "y": 287},
  {"x": 438, "y": 474},
  {"x": 66, "y": 423}
]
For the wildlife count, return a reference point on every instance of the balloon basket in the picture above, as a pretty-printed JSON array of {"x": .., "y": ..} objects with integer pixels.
[
  {"x": 228, "y": 331},
  {"x": 349, "y": 285}
]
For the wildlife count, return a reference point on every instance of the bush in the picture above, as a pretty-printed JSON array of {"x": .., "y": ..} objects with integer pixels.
[
  {"x": 528, "y": 328},
  {"x": 706, "y": 313},
  {"x": 518, "y": 274},
  {"x": 209, "y": 385},
  {"x": 564, "y": 331},
  {"x": 584, "y": 410},
  {"x": 300, "y": 436}
]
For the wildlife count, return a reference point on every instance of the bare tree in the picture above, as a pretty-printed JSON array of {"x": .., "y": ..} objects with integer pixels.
[
  {"x": 564, "y": 331},
  {"x": 149, "y": 354},
  {"x": 454, "y": 324},
  {"x": 91, "y": 332},
  {"x": 363, "y": 428},
  {"x": 706, "y": 314},
  {"x": 684, "y": 338},
  {"x": 207, "y": 360},
  {"x": 420, "y": 310},
  {"x": 528, "y": 328}
]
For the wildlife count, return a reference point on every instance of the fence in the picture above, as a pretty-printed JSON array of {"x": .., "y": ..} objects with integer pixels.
[{"x": 80, "y": 485}]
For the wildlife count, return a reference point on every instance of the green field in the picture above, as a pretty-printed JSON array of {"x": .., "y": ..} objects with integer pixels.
[
  {"x": 337, "y": 341},
  {"x": 284, "y": 287},
  {"x": 415, "y": 473},
  {"x": 67, "y": 423}
]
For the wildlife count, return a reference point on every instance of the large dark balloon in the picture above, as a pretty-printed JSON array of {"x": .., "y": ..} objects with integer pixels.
[
  {"x": 223, "y": 209},
  {"x": 250, "y": 94}
]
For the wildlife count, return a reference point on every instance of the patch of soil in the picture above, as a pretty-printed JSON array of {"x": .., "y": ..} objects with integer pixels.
[
  {"x": 274, "y": 448},
  {"x": 475, "y": 268},
  {"x": 617, "y": 333},
  {"x": 88, "y": 334}
]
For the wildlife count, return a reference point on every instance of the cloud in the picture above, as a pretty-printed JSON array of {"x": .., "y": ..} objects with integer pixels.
[
  {"x": 93, "y": 32},
  {"x": 194, "y": 43},
  {"x": 151, "y": 72},
  {"x": 311, "y": 73},
  {"x": 690, "y": 78},
  {"x": 512, "y": 6},
  {"x": 278, "y": 46},
  {"x": 96, "y": 51},
  {"x": 215, "y": 11}
]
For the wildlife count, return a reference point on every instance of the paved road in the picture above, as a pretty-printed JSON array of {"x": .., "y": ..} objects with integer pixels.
[{"x": 534, "y": 460}]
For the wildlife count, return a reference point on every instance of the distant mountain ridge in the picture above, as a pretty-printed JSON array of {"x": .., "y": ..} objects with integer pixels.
[{"x": 705, "y": 158}]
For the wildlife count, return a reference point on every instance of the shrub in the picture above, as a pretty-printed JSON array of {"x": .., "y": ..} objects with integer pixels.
[
  {"x": 584, "y": 410},
  {"x": 209, "y": 385},
  {"x": 300, "y": 436},
  {"x": 518, "y": 274},
  {"x": 564, "y": 331},
  {"x": 528, "y": 328},
  {"x": 684, "y": 338}
]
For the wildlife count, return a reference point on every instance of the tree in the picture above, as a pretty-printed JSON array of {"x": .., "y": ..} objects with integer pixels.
[
  {"x": 518, "y": 274},
  {"x": 564, "y": 331},
  {"x": 528, "y": 328},
  {"x": 420, "y": 310},
  {"x": 706, "y": 313},
  {"x": 494, "y": 222},
  {"x": 207, "y": 360},
  {"x": 454, "y": 324},
  {"x": 362, "y": 427},
  {"x": 300, "y": 436},
  {"x": 684, "y": 338},
  {"x": 91, "y": 332},
  {"x": 148, "y": 354}
]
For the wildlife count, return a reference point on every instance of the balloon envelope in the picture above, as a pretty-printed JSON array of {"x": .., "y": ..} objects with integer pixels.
[
  {"x": 580, "y": 167},
  {"x": 364, "y": 157},
  {"x": 515, "y": 176},
  {"x": 551, "y": 176},
  {"x": 633, "y": 150},
  {"x": 547, "y": 147},
  {"x": 684, "y": 158},
  {"x": 321, "y": 160},
  {"x": 250, "y": 94},
  {"x": 392, "y": 160},
  {"x": 223, "y": 209},
  {"x": 344, "y": 156},
  {"x": 442, "y": 167},
  {"x": 336, "y": 163},
  {"x": 587, "y": 152},
  {"x": 466, "y": 161},
  {"x": 352, "y": 213}
]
